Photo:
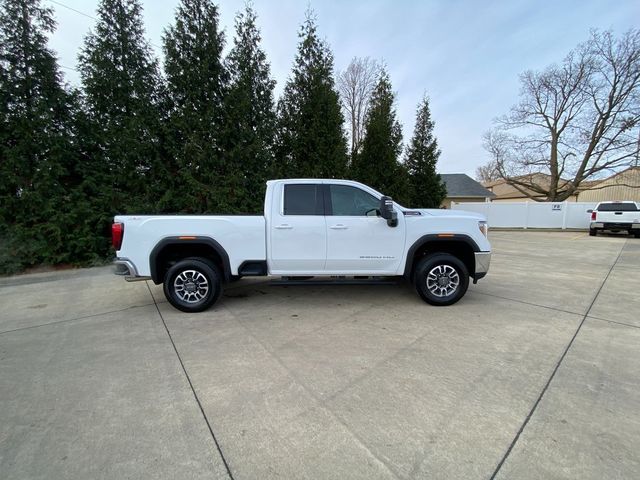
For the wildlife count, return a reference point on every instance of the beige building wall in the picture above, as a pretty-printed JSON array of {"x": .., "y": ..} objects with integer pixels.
[
  {"x": 446, "y": 203},
  {"x": 624, "y": 186},
  {"x": 572, "y": 198}
]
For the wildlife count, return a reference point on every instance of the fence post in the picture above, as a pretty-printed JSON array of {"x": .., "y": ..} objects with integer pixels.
[{"x": 565, "y": 207}]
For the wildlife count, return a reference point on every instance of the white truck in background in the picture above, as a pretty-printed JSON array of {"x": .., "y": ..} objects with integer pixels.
[
  {"x": 310, "y": 228},
  {"x": 615, "y": 217}
]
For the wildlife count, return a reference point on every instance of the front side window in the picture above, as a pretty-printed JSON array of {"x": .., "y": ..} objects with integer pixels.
[
  {"x": 303, "y": 199},
  {"x": 352, "y": 202}
]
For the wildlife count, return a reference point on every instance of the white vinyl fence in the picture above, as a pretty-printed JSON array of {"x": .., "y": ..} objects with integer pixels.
[{"x": 532, "y": 214}]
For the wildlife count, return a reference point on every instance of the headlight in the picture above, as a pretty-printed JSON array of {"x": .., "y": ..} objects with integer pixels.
[{"x": 484, "y": 228}]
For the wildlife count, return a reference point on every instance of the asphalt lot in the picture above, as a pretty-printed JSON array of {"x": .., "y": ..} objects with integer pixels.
[{"x": 534, "y": 374}]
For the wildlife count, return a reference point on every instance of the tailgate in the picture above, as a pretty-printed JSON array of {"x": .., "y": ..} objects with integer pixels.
[
  {"x": 618, "y": 217},
  {"x": 618, "y": 212}
]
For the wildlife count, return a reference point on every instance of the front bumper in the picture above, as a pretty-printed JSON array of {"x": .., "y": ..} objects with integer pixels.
[
  {"x": 483, "y": 260},
  {"x": 126, "y": 268}
]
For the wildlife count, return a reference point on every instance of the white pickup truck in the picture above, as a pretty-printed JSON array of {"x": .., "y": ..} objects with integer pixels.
[
  {"x": 615, "y": 217},
  {"x": 310, "y": 228}
]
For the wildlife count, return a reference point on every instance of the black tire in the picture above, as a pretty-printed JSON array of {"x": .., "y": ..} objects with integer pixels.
[
  {"x": 593, "y": 232},
  {"x": 191, "y": 274},
  {"x": 444, "y": 264},
  {"x": 637, "y": 235}
]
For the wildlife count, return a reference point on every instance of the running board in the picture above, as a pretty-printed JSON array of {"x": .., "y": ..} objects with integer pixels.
[{"x": 336, "y": 281}]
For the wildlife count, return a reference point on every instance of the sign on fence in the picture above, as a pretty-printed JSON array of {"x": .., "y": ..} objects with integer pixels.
[{"x": 532, "y": 214}]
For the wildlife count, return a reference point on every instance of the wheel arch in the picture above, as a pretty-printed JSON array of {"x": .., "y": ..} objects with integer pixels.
[
  {"x": 172, "y": 249},
  {"x": 459, "y": 245}
]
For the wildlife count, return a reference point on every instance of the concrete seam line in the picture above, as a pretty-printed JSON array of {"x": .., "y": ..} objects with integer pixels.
[
  {"x": 31, "y": 279},
  {"x": 319, "y": 400},
  {"x": 84, "y": 317},
  {"x": 193, "y": 390},
  {"x": 553, "y": 373},
  {"x": 528, "y": 303},
  {"x": 613, "y": 321}
]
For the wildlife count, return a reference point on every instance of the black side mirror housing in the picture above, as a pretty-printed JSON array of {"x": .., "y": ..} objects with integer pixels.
[
  {"x": 387, "y": 212},
  {"x": 589, "y": 211}
]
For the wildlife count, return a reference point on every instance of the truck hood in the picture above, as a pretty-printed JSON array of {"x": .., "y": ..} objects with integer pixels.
[{"x": 438, "y": 212}]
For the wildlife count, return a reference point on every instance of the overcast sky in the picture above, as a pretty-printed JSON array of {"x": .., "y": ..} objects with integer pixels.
[{"x": 466, "y": 55}]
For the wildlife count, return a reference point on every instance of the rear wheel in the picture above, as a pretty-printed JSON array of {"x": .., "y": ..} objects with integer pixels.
[
  {"x": 193, "y": 285},
  {"x": 441, "y": 279},
  {"x": 593, "y": 232}
]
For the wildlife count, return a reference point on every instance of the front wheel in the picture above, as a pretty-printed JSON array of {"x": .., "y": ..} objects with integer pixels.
[
  {"x": 192, "y": 285},
  {"x": 441, "y": 279}
]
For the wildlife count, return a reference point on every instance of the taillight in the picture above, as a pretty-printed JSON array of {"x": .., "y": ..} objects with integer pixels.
[
  {"x": 593, "y": 215},
  {"x": 117, "y": 232}
]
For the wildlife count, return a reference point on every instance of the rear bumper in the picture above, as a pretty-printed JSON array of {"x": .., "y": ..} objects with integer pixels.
[
  {"x": 483, "y": 260},
  {"x": 614, "y": 226},
  {"x": 127, "y": 269}
]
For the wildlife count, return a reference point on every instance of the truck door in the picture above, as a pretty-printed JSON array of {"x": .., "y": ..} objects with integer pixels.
[
  {"x": 298, "y": 232},
  {"x": 358, "y": 240}
]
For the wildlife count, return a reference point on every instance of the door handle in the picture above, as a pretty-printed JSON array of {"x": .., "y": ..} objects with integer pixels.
[
  {"x": 284, "y": 226},
  {"x": 338, "y": 227}
]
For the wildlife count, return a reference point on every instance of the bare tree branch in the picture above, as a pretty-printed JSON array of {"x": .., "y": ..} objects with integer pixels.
[
  {"x": 355, "y": 85},
  {"x": 573, "y": 120}
]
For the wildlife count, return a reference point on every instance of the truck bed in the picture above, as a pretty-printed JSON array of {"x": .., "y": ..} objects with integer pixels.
[{"x": 243, "y": 237}]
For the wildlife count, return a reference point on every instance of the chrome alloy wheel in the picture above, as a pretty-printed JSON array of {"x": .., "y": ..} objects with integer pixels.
[
  {"x": 443, "y": 280},
  {"x": 191, "y": 286}
]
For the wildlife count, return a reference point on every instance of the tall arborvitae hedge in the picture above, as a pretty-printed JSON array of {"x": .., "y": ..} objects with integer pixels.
[
  {"x": 202, "y": 138},
  {"x": 311, "y": 140},
  {"x": 121, "y": 85},
  {"x": 119, "y": 132},
  {"x": 426, "y": 187},
  {"x": 377, "y": 164},
  {"x": 205, "y": 181},
  {"x": 37, "y": 143},
  {"x": 250, "y": 115}
]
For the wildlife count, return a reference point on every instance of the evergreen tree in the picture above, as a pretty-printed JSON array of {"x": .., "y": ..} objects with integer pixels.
[
  {"x": 121, "y": 85},
  {"x": 37, "y": 158},
  {"x": 196, "y": 84},
  {"x": 250, "y": 127},
  {"x": 377, "y": 164},
  {"x": 426, "y": 187},
  {"x": 311, "y": 139}
]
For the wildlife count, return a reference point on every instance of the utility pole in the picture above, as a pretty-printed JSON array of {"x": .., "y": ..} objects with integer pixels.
[{"x": 638, "y": 149}]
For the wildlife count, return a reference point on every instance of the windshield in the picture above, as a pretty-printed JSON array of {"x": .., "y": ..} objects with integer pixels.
[{"x": 375, "y": 192}]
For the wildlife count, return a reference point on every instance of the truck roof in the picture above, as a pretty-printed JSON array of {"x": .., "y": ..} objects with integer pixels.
[
  {"x": 321, "y": 180},
  {"x": 612, "y": 206}
]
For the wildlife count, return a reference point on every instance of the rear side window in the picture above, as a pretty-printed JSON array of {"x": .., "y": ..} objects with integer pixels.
[
  {"x": 618, "y": 207},
  {"x": 303, "y": 199}
]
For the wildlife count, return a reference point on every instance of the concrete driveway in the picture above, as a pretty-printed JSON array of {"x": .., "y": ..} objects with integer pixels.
[{"x": 534, "y": 374}]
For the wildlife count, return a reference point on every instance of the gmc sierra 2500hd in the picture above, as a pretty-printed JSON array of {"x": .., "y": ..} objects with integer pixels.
[
  {"x": 615, "y": 217},
  {"x": 310, "y": 227}
]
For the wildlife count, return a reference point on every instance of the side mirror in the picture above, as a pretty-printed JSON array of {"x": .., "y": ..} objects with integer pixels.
[
  {"x": 387, "y": 212},
  {"x": 590, "y": 210}
]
